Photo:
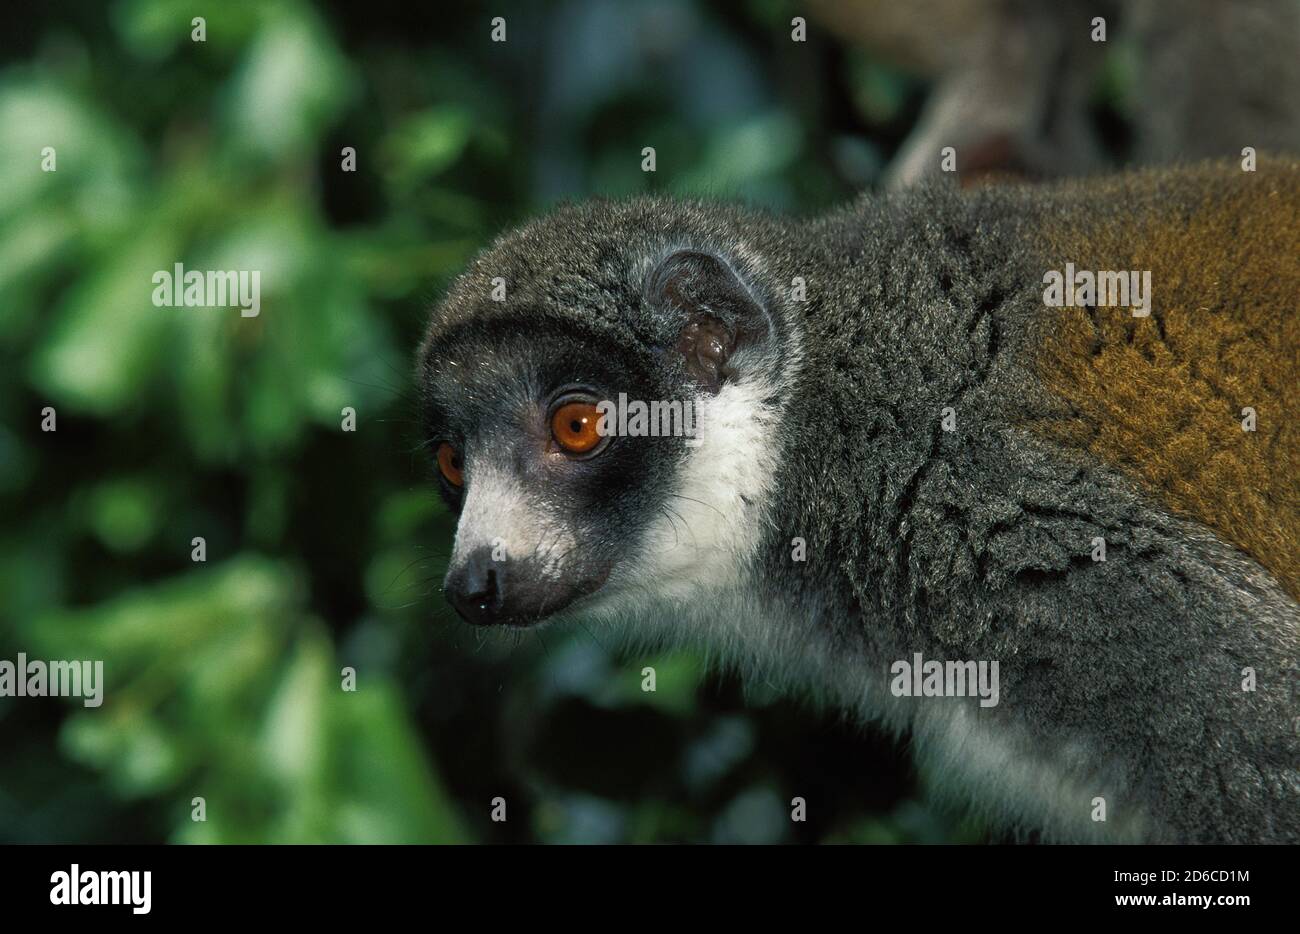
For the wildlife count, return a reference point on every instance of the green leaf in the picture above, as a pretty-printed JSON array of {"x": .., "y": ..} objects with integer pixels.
[
  {"x": 426, "y": 144},
  {"x": 108, "y": 337},
  {"x": 289, "y": 88}
]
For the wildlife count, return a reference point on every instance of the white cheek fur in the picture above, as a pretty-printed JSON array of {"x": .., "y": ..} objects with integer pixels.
[{"x": 718, "y": 511}]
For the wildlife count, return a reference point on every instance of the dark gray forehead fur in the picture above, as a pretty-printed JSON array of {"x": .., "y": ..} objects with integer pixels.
[{"x": 587, "y": 263}]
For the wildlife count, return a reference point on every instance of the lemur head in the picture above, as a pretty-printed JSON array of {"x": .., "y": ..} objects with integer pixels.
[{"x": 599, "y": 391}]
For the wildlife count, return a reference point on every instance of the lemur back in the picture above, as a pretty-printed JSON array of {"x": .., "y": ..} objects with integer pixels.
[{"x": 1070, "y": 427}]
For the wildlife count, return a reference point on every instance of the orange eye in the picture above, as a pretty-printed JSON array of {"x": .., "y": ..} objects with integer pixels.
[
  {"x": 574, "y": 427},
  {"x": 450, "y": 465}
]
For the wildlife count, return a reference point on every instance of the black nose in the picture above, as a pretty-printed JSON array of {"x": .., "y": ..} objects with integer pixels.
[
  {"x": 514, "y": 591},
  {"x": 476, "y": 587}
]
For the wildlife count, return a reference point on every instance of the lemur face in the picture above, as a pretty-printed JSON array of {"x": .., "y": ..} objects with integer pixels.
[
  {"x": 548, "y": 505},
  {"x": 567, "y": 498}
]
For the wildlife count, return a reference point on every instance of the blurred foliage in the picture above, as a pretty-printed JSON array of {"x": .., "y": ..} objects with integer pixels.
[{"x": 324, "y": 547}]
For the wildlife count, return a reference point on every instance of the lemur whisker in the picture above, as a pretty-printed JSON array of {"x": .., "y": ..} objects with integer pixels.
[{"x": 699, "y": 501}]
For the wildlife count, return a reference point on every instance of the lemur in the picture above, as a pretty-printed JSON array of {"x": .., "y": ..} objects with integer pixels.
[{"x": 902, "y": 447}]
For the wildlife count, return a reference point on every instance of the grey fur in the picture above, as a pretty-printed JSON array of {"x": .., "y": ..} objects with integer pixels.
[{"x": 1120, "y": 679}]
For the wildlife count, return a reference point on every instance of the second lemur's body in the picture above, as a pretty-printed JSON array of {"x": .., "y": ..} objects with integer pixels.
[{"x": 919, "y": 454}]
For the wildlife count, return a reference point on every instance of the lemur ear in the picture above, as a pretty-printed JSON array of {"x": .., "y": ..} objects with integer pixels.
[{"x": 722, "y": 314}]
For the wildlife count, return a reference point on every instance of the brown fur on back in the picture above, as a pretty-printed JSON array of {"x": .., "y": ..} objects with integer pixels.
[{"x": 1162, "y": 397}]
